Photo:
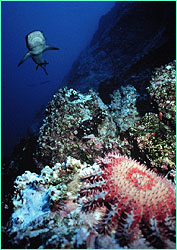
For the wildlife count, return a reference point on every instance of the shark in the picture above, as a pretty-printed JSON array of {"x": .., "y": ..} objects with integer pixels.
[{"x": 36, "y": 44}]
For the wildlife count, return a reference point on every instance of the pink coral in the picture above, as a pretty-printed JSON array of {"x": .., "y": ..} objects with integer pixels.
[{"x": 139, "y": 205}]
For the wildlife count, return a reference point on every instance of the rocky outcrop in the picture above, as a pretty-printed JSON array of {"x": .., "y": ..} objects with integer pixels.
[
  {"x": 77, "y": 125},
  {"x": 132, "y": 39}
]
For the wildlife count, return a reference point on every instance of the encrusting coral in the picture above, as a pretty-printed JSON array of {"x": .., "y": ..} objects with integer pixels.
[
  {"x": 123, "y": 107},
  {"x": 155, "y": 133},
  {"x": 163, "y": 93},
  {"x": 77, "y": 125},
  {"x": 157, "y": 142},
  {"x": 44, "y": 207}
]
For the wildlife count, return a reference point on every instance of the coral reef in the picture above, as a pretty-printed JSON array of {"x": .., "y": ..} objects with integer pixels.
[
  {"x": 82, "y": 126},
  {"x": 156, "y": 142},
  {"x": 77, "y": 125},
  {"x": 114, "y": 203},
  {"x": 162, "y": 90},
  {"x": 44, "y": 207},
  {"x": 123, "y": 107},
  {"x": 155, "y": 134},
  {"x": 138, "y": 206}
]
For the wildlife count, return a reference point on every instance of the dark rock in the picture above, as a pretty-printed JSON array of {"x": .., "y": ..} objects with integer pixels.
[{"x": 132, "y": 39}]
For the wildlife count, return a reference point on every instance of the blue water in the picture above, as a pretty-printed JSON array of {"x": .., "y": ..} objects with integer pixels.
[{"x": 67, "y": 25}]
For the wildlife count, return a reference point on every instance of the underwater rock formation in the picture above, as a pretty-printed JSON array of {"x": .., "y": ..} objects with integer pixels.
[
  {"x": 162, "y": 91},
  {"x": 20, "y": 160},
  {"x": 74, "y": 205},
  {"x": 77, "y": 125},
  {"x": 155, "y": 133},
  {"x": 39, "y": 205},
  {"x": 132, "y": 39},
  {"x": 156, "y": 142},
  {"x": 123, "y": 107},
  {"x": 82, "y": 126}
]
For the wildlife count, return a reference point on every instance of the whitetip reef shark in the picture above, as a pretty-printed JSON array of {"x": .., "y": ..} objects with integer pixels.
[{"x": 36, "y": 43}]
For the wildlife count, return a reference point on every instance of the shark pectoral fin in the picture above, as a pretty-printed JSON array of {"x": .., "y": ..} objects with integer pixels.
[
  {"x": 45, "y": 63},
  {"x": 50, "y": 48},
  {"x": 28, "y": 55}
]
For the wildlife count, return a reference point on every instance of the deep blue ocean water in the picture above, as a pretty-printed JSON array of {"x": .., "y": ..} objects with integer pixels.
[{"x": 67, "y": 25}]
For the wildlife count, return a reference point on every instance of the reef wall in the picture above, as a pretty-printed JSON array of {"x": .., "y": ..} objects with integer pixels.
[{"x": 132, "y": 39}]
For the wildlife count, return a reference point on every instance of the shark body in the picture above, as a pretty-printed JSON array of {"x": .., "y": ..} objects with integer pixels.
[{"x": 36, "y": 44}]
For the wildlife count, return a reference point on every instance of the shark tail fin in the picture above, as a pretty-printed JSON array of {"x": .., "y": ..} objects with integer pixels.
[{"x": 28, "y": 55}]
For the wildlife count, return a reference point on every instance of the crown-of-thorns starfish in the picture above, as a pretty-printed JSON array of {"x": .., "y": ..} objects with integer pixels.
[{"x": 139, "y": 205}]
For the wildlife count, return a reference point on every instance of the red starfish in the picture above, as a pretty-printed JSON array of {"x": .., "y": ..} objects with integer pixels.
[{"x": 140, "y": 205}]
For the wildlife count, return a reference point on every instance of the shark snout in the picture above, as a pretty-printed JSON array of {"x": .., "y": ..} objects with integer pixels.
[{"x": 36, "y": 43}]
